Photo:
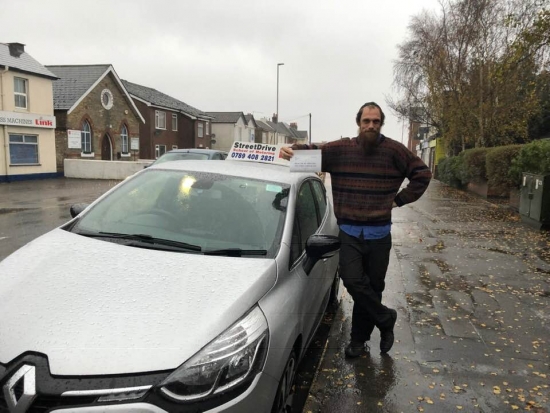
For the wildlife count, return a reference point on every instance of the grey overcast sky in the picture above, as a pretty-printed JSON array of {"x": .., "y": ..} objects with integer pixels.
[{"x": 222, "y": 55}]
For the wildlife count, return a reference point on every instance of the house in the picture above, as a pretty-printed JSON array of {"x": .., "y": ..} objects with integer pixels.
[
  {"x": 252, "y": 127},
  {"x": 297, "y": 136},
  {"x": 229, "y": 127},
  {"x": 96, "y": 117},
  {"x": 169, "y": 122},
  {"x": 27, "y": 122},
  {"x": 267, "y": 132}
]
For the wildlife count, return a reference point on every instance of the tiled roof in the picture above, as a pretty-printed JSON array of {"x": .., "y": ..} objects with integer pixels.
[
  {"x": 73, "y": 82},
  {"x": 225, "y": 117},
  {"x": 263, "y": 125},
  {"x": 156, "y": 98},
  {"x": 24, "y": 63}
]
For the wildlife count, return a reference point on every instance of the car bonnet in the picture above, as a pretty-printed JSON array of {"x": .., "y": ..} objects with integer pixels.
[{"x": 95, "y": 307}]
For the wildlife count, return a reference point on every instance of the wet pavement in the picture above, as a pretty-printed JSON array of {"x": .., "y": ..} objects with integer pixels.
[{"x": 471, "y": 284}]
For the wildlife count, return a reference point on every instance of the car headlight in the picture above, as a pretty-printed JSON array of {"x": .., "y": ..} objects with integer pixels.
[{"x": 233, "y": 357}]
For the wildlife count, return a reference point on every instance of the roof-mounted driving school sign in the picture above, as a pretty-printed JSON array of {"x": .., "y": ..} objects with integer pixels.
[
  {"x": 256, "y": 152},
  {"x": 27, "y": 119}
]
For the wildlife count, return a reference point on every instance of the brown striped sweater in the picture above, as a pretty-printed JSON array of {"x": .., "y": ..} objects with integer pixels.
[{"x": 364, "y": 187}]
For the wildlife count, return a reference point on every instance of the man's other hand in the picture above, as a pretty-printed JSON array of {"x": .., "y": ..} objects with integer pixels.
[{"x": 286, "y": 152}]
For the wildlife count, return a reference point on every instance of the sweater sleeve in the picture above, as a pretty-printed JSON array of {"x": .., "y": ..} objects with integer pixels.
[{"x": 416, "y": 171}]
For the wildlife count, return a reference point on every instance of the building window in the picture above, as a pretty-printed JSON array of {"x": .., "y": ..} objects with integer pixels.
[
  {"x": 159, "y": 150},
  {"x": 86, "y": 136},
  {"x": 160, "y": 119},
  {"x": 20, "y": 89},
  {"x": 207, "y": 128},
  {"x": 174, "y": 122},
  {"x": 124, "y": 139},
  {"x": 201, "y": 130},
  {"x": 23, "y": 150}
]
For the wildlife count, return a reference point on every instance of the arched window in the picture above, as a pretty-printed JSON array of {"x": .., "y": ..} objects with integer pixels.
[
  {"x": 86, "y": 136},
  {"x": 124, "y": 139}
]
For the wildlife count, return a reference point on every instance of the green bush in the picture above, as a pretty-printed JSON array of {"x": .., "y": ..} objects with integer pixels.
[
  {"x": 458, "y": 171},
  {"x": 451, "y": 171},
  {"x": 442, "y": 171},
  {"x": 498, "y": 163},
  {"x": 474, "y": 165},
  {"x": 533, "y": 157}
]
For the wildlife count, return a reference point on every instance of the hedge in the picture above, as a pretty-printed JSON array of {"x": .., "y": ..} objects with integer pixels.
[
  {"x": 474, "y": 165},
  {"x": 498, "y": 163},
  {"x": 501, "y": 166},
  {"x": 533, "y": 157},
  {"x": 451, "y": 171}
]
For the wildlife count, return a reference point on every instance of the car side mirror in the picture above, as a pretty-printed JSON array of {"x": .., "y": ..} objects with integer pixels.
[
  {"x": 77, "y": 209},
  {"x": 319, "y": 247}
]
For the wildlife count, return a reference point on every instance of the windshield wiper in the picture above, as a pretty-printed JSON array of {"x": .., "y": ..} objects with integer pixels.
[
  {"x": 143, "y": 238},
  {"x": 235, "y": 252}
]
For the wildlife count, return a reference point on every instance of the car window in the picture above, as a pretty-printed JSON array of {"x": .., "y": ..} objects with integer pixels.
[
  {"x": 181, "y": 156},
  {"x": 213, "y": 211},
  {"x": 305, "y": 221},
  {"x": 320, "y": 197},
  {"x": 216, "y": 156}
]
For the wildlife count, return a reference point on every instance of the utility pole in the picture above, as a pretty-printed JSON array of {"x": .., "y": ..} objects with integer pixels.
[{"x": 277, "y": 112}]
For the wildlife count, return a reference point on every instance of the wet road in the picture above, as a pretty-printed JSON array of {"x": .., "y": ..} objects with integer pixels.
[
  {"x": 471, "y": 284},
  {"x": 32, "y": 208}
]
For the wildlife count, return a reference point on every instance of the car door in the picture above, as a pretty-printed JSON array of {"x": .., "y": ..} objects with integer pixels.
[
  {"x": 326, "y": 226},
  {"x": 306, "y": 223}
]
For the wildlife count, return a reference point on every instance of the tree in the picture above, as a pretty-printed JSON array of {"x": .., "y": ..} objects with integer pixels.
[{"x": 473, "y": 68}]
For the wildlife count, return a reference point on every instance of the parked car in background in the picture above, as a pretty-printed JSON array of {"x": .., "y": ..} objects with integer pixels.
[
  {"x": 191, "y": 154},
  {"x": 188, "y": 287}
]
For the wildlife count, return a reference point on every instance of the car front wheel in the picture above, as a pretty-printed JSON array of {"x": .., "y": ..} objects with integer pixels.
[{"x": 285, "y": 393}]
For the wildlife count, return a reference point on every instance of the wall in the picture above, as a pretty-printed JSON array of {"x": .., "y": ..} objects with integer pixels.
[
  {"x": 225, "y": 135},
  {"x": 93, "y": 169}
]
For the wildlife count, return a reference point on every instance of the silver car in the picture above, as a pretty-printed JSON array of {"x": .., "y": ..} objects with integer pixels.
[{"x": 189, "y": 287}]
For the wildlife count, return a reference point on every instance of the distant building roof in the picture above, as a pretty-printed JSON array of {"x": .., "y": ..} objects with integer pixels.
[
  {"x": 156, "y": 98},
  {"x": 249, "y": 118},
  {"x": 265, "y": 126},
  {"x": 74, "y": 82},
  {"x": 226, "y": 117},
  {"x": 23, "y": 63}
]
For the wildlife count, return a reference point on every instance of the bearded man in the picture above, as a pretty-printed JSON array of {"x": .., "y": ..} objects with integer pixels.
[{"x": 367, "y": 173}]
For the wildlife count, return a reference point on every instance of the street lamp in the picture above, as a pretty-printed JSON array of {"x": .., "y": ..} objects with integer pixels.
[{"x": 277, "y": 112}]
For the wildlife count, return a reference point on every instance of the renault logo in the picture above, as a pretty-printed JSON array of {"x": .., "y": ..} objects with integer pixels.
[{"x": 27, "y": 374}]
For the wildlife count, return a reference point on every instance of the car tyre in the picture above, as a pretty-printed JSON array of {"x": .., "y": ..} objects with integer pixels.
[{"x": 285, "y": 392}]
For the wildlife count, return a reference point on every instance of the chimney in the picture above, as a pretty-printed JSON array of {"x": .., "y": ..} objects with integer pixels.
[
  {"x": 294, "y": 125},
  {"x": 16, "y": 49},
  {"x": 275, "y": 119}
]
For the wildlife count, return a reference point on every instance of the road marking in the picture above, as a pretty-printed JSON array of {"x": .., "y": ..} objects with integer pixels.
[{"x": 1, "y": 238}]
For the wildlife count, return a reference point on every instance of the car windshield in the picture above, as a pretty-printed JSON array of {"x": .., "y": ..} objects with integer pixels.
[
  {"x": 210, "y": 211},
  {"x": 178, "y": 156}
]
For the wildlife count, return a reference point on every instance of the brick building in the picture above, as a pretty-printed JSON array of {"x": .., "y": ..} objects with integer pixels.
[
  {"x": 169, "y": 122},
  {"x": 96, "y": 117}
]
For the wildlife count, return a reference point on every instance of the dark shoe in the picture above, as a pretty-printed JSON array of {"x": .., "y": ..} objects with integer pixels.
[
  {"x": 386, "y": 335},
  {"x": 355, "y": 349}
]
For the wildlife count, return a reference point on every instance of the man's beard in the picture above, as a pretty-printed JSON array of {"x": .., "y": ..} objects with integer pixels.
[{"x": 368, "y": 141}]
